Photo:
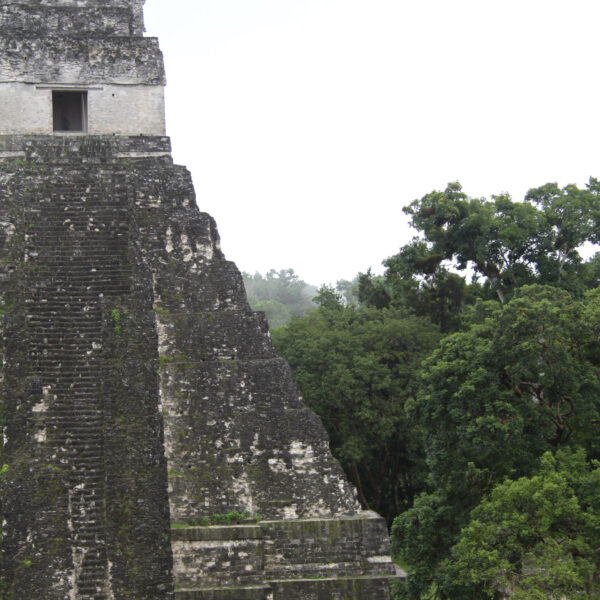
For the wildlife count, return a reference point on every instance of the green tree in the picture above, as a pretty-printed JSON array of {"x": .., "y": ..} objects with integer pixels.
[
  {"x": 508, "y": 243},
  {"x": 522, "y": 380},
  {"x": 534, "y": 538},
  {"x": 428, "y": 288},
  {"x": 348, "y": 290},
  {"x": 356, "y": 367}
]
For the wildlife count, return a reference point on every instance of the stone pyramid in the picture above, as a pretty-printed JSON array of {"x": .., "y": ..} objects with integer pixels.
[{"x": 156, "y": 446}]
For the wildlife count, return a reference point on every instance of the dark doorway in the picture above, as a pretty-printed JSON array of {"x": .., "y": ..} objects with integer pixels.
[{"x": 69, "y": 110}]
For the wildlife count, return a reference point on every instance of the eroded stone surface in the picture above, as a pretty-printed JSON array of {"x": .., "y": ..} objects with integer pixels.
[
  {"x": 138, "y": 388},
  {"x": 346, "y": 557},
  {"x": 96, "y": 47},
  {"x": 84, "y": 502},
  {"x": 124, "y": 323}
]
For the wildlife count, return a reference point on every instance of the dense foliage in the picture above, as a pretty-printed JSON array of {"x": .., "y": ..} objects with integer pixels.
[
  {"x": 356, "y": 368},
  {"x": 469, "y": 409},
  {"x": 534, "y": 538}
]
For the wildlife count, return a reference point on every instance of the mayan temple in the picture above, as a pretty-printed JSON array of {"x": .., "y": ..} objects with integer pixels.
[{"x": 142, "y": 400}]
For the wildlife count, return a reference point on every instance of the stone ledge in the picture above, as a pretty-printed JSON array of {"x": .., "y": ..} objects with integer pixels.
[
  {"x": 75, "y": 148},
  {"x": 127, "y": 60},
  {"x": 217, "y": 532},
  {"x": 231, "y": 593},
  {"x": 310, "y": 559},
  {"x": 335, "y": 588},
  {"x": 18, "y": 18}
]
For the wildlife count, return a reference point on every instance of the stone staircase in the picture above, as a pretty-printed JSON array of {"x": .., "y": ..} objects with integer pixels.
[
  {"x": 77, "y": 252},
  {"x": 88, "y": 422},
  {"x": 307, "y": 559}
]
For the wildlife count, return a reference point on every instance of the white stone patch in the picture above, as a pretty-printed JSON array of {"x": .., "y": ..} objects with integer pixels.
[
  {"x": 205, "y": 250},
  {"x": 188, "y": 253},
  {"x": 169, "y": 240},
  {"x": 303, "y": 457},
  {"x": 160, "y": 400},
  {"x": 319, "y": 510},
  {"x": 151, "y": 201},
  {"x": 40, "y": 435},
  {"x": 109, "y": 591},
  {"x": 9, "y": 229},
  {"x": 379, "y": 560},
  {"x": 235, "y": 459},
  {"x": 290, "y": 512},
  {"x": 163, "y": 336},
  {"x": 8, "y": 154},
  {"x": 254, "y": 446},
  {"x": 41, "y": 406},
  {"x": 277, "y": 465},
  {"x": 243, "y": 493}
]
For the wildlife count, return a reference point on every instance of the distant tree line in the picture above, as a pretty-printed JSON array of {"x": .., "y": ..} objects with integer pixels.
[
  {"x": 461, "y": 392},
  {"x": 281, "y": 295}
]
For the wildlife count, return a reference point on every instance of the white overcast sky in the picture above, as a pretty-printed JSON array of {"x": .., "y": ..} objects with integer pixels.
[{"x": 308, "y": 124}]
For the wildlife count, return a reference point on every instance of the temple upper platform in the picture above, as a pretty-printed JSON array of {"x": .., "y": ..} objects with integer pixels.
[{"x": 71, "y": 67}]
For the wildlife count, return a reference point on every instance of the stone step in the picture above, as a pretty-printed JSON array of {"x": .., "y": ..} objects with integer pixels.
[
  {"x": 66, "y": 217},
  {"x": 298, "y": 551},
  {"x": 259, "y": 592},
  {"x": 79, "y": 250},
  {"x": 91, "y": 271},
  {"x": 334, "y": 588},
  {"x": 77, "y": 414}
]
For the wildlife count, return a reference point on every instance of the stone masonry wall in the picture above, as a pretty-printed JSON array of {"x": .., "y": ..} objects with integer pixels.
[
  {"x": 84, "y": 502},
  {"x": 90, "y": 17},
  {"x": 127, "y": 337},
  {"x": 96, "y": 47},
  {"x": 238, "y": 436},
  {"x": 71, "y": 60},
  {"x": 112, "y": 109},
  {"x": 27, "y": 19}
]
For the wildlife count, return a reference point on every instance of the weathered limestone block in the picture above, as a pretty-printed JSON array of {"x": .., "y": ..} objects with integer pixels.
[
  {"x": 320, "y": 548},
  {"x": 247, "y": 443},
  {"x": 21, "y": 19},
  {"x": 91, "y": 150},
  {"x": 71, "y": 60},
  {"x": 80, "y": 17},
  {"x": 345, "y": 558}
]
